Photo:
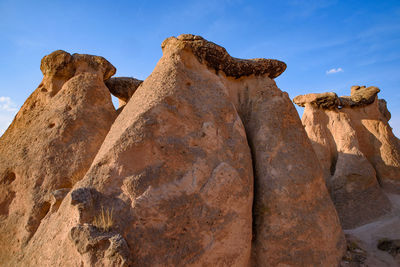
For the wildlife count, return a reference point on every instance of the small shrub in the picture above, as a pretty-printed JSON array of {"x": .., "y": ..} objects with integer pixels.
[{"x": 104, "y": 220}]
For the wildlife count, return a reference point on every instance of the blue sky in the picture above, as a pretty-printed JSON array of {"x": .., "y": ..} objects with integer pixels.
[{"x": 328, "y": 45}]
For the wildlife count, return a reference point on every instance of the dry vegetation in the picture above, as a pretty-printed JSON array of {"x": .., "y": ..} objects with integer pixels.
[{"x": 104, "y": 220}]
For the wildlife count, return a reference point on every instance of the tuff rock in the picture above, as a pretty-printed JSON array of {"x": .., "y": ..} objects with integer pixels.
[
  {"x": 357, "y": 150},
  {"x": 207, "y": 164},
  {"x": 123, "y": 88},
  {"x": 51, "y": 143}
]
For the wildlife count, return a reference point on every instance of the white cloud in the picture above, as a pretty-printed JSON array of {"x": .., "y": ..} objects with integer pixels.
[
  {"x": 332, "y": 71},
  {"x": 5, "y": 121},
  {"x": 8, "y": 109},
  {"x": 6, "y": 104}
]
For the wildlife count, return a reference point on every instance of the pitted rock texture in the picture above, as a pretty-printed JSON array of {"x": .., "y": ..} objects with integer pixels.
[
  {"x": 100, "y": 248},
  {"x": 51, "y": 143},
  {"x": 322, "y": 100},
  {"x": 357, "y": 150},
  {"x": 360, "y": 96},
  {"x": 123, "y": 88},
  {"x": 60, "y": 66},
  {"x": 176, "y": 170},
  {"x": 216, "y": 58}
]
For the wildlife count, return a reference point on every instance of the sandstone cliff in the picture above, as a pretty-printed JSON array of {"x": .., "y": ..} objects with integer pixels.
[
  {"x": 357, "y": 151},
  {"x": 207, "y": 164}
]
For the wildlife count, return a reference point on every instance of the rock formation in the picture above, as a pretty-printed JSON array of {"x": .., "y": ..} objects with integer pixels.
[
  {"x": 357, "y": 151},
  {"x": 123, "y": 88},
  {"x": 51, "y": 143},
  {"x": 206, "y": 165}
]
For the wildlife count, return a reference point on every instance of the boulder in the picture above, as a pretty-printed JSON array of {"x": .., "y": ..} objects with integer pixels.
[
  {"x": 357, "y": 151},
  {"x": 51, "y": 144}
]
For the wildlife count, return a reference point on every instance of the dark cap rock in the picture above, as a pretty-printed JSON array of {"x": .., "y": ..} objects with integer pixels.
[
  {"x": 123, "y": 87},
  {"x": 217, "y": 58}
]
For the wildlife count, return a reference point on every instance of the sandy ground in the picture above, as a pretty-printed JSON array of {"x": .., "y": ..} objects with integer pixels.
[{"x": 368, "y": 236}]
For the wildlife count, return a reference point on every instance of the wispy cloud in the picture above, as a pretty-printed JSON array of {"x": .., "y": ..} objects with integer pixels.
[
  {"x": 24, "y": 42},
  {"x": 332, "y": 71},
  {"x": 305, "y": 8},
  {"x": 6, "y": 104},
  {"x": 8, "y": 109},
  {"x": 378, "y": 31}
]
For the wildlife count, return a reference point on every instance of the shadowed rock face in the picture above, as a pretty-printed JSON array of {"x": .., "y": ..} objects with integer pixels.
[
  {"x": 357, "y": 150},
  {"x": 51, "y": 143},
  {"x": 207, "y": 165},
  {"x": 123, "y": 88}
]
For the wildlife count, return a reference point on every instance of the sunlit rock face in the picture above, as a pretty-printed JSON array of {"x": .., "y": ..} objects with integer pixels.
[
  {"x": 51, "y": 144},
  {"x": 207, "y": 164},
  {"x": 357, "y": 150}
]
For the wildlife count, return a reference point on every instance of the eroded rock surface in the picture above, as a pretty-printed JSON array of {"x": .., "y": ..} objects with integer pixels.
[
  {"x": 123, "y": 88},
  {"x": 175, "y": 175},
  {"x": 357, "y": 150},
  {"x": 51, "y": 144},
  {"x": 322, "y": 100},
  {"x": 176, "y": 170}
]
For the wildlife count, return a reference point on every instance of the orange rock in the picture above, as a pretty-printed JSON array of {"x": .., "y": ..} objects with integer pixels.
[
  {"x": 358, "y": 153},
  {"x": 51, "y": 144},
  {"x": 172, "y": 183},
  {"x": 123, "y": 88}
]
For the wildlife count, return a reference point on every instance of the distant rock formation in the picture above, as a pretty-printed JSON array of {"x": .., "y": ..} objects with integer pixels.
[
  {"x": 207, "y": 164},
  {"x": 357, "y": 151},
  {"x": 51, "y": 143}
]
